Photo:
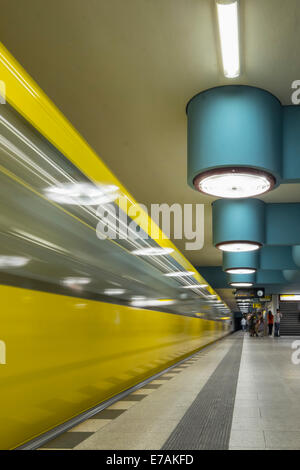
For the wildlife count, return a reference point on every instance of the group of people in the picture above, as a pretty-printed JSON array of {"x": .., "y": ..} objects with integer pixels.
[{"x": 254, "y": 323}]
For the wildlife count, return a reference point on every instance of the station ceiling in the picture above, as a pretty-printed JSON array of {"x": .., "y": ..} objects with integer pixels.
[{"x": 123, "y": 71}]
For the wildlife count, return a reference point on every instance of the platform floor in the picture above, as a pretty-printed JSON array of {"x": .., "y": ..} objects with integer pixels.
[{"x": 240, "y": 393}]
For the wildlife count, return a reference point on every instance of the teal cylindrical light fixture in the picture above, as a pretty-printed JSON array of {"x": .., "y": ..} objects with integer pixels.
[
  {"x": 241, "y": 280},
  {"x": 238, "y": 224},
  {"x": 296, "y": 254},
  {"x": 291, "y": 275},
  {"x": 240, "y": 262},
  {"x": 234, "y": 141}
]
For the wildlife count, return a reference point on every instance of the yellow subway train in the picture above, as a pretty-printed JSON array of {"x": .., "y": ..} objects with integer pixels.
[{"x": 83, "y": 318}]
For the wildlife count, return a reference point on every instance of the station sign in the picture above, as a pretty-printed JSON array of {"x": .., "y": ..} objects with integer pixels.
[
  {"x": 258, "y": 293},
  {"x": 241, "y": 293},
  {"x": 289, "y": 297}
]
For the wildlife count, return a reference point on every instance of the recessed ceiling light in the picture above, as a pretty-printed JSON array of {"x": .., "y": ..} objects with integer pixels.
[
  {"x": 240, "y": 270},
  {"x": 180, "y": 274},
  {"x": 152, "y": 251},
  {"x": 229, "y": 37},
  {"x": 238, "y": 246},
  {"x": 241, "y": 284},
  {"x": 234, "y": 183}
]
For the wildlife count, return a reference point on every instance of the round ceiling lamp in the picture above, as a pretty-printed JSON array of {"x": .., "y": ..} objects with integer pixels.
[
  {"x": 240, "y": 270},
  {"x": 241, "y": 280},
  {"x": 234, "y": 182},
  {"x": 241, "y": 284},
  {"x": 238, "y": 246}
]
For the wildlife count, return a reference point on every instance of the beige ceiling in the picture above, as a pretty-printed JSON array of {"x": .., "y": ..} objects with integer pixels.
[{"x": 122, "y": 71}]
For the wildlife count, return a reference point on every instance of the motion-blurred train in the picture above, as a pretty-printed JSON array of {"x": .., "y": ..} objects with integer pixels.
[{"x": 82, "y": 319}]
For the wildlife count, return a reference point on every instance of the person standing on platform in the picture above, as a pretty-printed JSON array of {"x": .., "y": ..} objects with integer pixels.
[
  {"x": 278, "y": 317},
  {"x": 260, "y": 325},
  {"x": 244, "y": 323},
  {"x": 252, "y": 325},
  {"x": 270, "y": 319}
]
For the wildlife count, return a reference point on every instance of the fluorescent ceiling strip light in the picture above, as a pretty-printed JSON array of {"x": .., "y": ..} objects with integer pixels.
[{"x": 229, "y": 37}]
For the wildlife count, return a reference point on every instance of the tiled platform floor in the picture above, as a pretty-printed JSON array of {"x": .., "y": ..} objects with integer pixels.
[
  {"x": 146, "y": 417},
  {"x": 267, "y": 405},
  {"x": 266, "y": 411}
]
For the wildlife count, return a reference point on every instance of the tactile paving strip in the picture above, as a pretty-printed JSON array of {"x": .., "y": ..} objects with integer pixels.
[{"x": 207, "y": 423}]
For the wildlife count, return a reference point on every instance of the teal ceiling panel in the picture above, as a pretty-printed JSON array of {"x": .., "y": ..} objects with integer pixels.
[
  {"x": 270, "y": 277},
  {"x": 291, "y": 144},
  {"x": 276, "y": 257},
  {"x": 282, "y": 222}
]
